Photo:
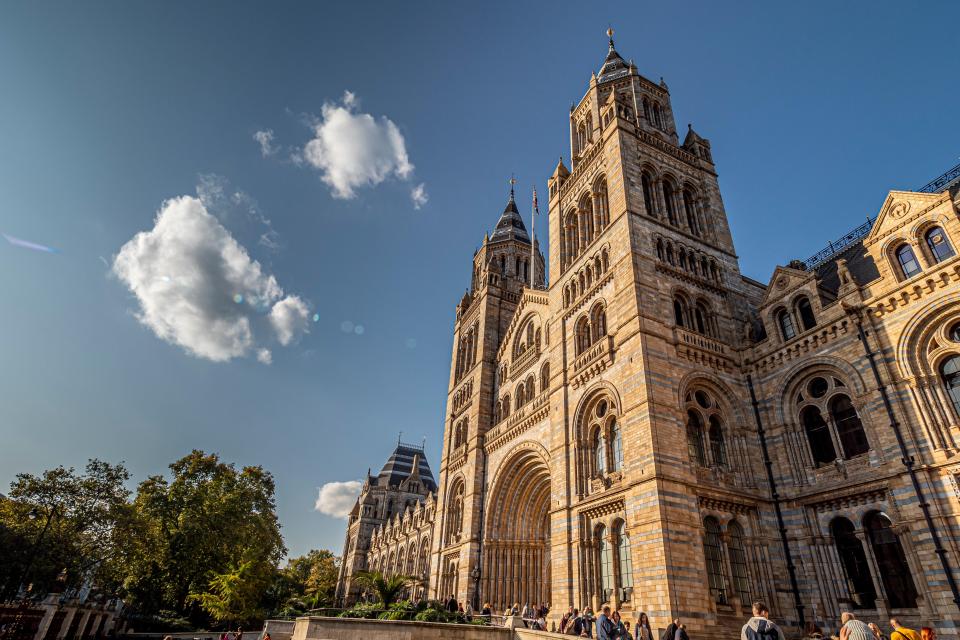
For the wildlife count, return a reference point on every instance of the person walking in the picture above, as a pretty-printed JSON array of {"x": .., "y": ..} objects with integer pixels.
[
  {"x": 927, "y": 633},
  {"x": 642, "y": 629},
  {"x": 901, "y": 632},
  {"x": 604, "y": 625},
  {"x": 760, "y": 627},
  {"x": 877, "y": 634},
  {"x": 671, "y": 631},
  {"x": 681, "y": 632},
  {"x": 619, "y": 628},
  {"x": 452, "y": 604},
  {"x": 854, "y": 629}
]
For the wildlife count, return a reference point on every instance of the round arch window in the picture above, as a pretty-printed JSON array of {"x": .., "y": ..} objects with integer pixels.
[
  {"x": 818, "y": 387},
  {"x": 954, "y": 332},
  {"x": 702, "y": 399}
]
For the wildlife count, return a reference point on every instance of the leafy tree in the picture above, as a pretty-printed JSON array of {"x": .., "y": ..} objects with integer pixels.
[
  {"x": 61, "y": 529},
  {"x": 386, "y": 588},
  {"x": 203, "y": 526},
  {"x": 307, "y": 582}
]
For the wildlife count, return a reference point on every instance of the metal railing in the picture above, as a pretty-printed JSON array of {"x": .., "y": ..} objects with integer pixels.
[
  {"x": 839, "y": 245},
  {"x": 940, "y": 183}
]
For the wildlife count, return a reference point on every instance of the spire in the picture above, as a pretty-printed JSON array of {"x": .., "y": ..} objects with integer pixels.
[
  {"x": 510, "y": 226},
  {"x": 613, "y": 66}
]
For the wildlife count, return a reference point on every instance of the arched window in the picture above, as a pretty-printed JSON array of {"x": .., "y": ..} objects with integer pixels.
[
  {"x": 660, "y": 250},
  {"x": 805, "y": 310},
  {"x": 617, "y": 441},
  {"x": 506, "y": 407},
  {"x": 853, "y": 440},
  {"x": 668, "y": 201},
  {"x": 646, "y": 110},
  {"x": 939, "y": 244},
  {"x": 606, "y": 564},
  {"x": 626, "y": 561},
  {"x": 785, "y": 320},
  {"x": 601, "y": 203},
  {"x": 599, "y": 322},
  {"x": 891, "y": 562},
  {"x": 713, "y": 554},
  {"x": 545, "y": 377},
  {"x": 679, "y": 312},
  {"x": 818, "y": 435},
  {"x": 698, "y": 316},
  {"x": 583, "y": 335},
  {"x": 645, "y": 184},
  {"x": 599, "y": 452},
  {"x": 656, "y": 115},
  {"x": 950, "y": 373},
  {"x": 695, "y": 438},
  {"x": 718, "y": 449},
  {"x": 456, "y": 514},
  {"x": 691, "y": 211},
  {"x": 531, "y": 389},
  {"x": 854, "y": 561},
  {"x": 738, "y": 561},
  {"x": 908, "y": 261}
]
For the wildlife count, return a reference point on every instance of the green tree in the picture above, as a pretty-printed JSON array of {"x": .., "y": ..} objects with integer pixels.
[
  {"x": 387, "y": 589},
  {"x": 199, "y": 529},
  {"x": 62, "y": 529},
  {"x": 307, "y": 582}
]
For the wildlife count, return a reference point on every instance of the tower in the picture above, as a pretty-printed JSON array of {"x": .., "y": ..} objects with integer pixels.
[{"x": 501, "y": 273}]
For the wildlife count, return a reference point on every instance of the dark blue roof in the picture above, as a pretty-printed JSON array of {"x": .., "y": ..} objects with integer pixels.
[
  {"x": 400, "y": 464},
  {"x": 510, "y": 226}
]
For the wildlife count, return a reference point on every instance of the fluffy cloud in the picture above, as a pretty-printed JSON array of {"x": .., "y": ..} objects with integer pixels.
[
  {"x": 353, "y": 150},
  {"x": 265, "y": 140},
  {"x": 198, "y": 288},
  {"x": 337, "y": 498},
  {"x": 419, "y": 195},
  {"x": 289, "y": 318}
]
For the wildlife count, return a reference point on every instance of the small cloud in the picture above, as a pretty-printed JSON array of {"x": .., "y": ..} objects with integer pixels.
[
  {"x": 235, "y": 206},
  {"x": 264, "y": 356},
  {"x": 354, "y": 150},
  {"x": 289, "y": 318},
  {"x": 419, "y": 195},
  {"x": 337, "y": 498},
  {"x": 265, "y": 140}
]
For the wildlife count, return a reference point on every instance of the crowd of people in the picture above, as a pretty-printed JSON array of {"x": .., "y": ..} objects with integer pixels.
[
  {"x": 608, "y": 626},
  {"x": 852, "y": 628}
]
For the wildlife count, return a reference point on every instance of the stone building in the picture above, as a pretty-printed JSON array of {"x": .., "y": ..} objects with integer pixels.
[
  {"x": 393, "y": 517},
  {"x": 656, "y": 431}
]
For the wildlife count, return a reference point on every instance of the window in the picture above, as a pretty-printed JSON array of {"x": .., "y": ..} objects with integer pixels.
[
  {"x": 599, "y": 452},
  {"x": 690, "y": 208},
  {"x": 617, "y": 440},
  {"x": 853, "y": 440},
  {"x": 785, "y": 320},
  {"x": 545, "y": 377},
  {"x": 818, "y": 435},
  {"x": 583, "y": 335},
  {"x": 606, "y": 564},
  {"x": 626, "y": 561},
  {"x": 717, "y": 447},
  {"x": 854, "y": 562},
  {"x": 668, "y": 201},
  {"x": 679, "y": 312},
  {"x": 908, "y": 261},
  {"x": 647, "y": 194},
  {"x": 738, "y": 561},
  {"x": 938, "y": 244},
  {"x": 713, "y": 554},
  {"x": 891, "y": 562},
  {"x": 950, "y": 372},
  {"x": 695, "y": 438},
  {"x": 599, "y": 321},
  {"x": 805, "y": 310}
]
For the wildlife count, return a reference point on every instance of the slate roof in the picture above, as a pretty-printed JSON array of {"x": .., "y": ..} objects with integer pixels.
[
  {"x": 400, "y": 464},
  {"x": 510, "y": 226}
]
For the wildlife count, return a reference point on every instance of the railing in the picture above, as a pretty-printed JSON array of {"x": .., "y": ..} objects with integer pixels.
[
  {"x": 940, "y": 183},
  {"x": 525, "y": 359},
  {"x": 595, "y": 352},
  {"x": 838, "y": 246},
  {"x": 700, "y": 341}
]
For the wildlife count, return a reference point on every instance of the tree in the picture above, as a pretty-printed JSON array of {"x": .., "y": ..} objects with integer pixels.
[
  {"x": 62, "y": 529},
  {"x": 236, "y": 594},
  {"x": 200, "y": 528},
  {"x": 307, "y": 582},
  {"x": 387, "y": 588}
]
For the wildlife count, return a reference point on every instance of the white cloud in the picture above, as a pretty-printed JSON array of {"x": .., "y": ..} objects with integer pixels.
[
  {"x": 220, "y": 200},
  {"x": 289, "y": 318},
  {"x": 337, "y": 498},
  {"x": 264, "y": 356},
  {"x": 265, "y": 140},
  {"x": 419, "y": 195},
  {"x": 198, "y": 288},
  {"x": 353, "y": 150}
]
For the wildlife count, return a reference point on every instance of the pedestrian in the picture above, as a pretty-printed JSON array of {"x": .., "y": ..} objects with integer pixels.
[
  {"x": 468, "y": 612},
  {"x": 572, "y": 627},
  {"x": 901, "y": 632},
  {"x": 671, "y": 630},
  {"x": 604, "y": 625},
  {"x": 854, "y": 629},
  {"x": 760, "y": 627},
  {"x": 452, "y": 604},
  {"x": 526, "y": 613},
  {"x": 927, "y": 633},
  {"x": 619, "y": 628},
  {"x": 642, "y": 629},
  {"x": 588, "y": 621},
  {"x": 626, "y": 631},
  {"x": 877, "y": 634},
  {"x": 681, "y": 632},
  {"x": 565, "y": 620}
]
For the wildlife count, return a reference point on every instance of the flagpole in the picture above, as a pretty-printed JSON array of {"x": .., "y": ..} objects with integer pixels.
[{"x": 533, "y": 241}]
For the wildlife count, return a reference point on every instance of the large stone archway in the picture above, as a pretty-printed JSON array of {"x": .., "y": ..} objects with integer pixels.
[{"x": 516, "y": 548}]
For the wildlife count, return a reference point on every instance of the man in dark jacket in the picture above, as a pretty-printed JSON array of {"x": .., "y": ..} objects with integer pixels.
[
  {"x": 452, "y": 605},
  {"x": 760, "y": 627},
  {"x": 671, "y": 631}
]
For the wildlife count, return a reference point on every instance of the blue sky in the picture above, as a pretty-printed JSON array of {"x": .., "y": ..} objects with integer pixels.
[{"x": 109, "y": 110}]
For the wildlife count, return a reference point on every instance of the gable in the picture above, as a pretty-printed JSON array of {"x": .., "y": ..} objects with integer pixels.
[
  {"x": 899, "y": 210},
  {"x": 783, "y": 281}
]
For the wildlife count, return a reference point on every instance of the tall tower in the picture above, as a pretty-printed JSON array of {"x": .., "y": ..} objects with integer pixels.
[{"x": 501, "y": 271}]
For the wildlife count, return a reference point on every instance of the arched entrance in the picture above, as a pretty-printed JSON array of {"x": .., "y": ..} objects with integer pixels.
[{"x": 516, "y": 548}]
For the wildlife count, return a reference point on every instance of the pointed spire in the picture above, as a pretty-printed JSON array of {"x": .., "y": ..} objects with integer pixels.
[
  {"x": 510, "y": 226},
  {"x": 613, "y": 66},
  {"x": 610, "y": 35}
]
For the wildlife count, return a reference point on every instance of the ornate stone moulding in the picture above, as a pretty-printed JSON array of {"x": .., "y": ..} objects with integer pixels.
[
  {"x": 592, "y": 362},
  {"x": 603, "y": 509},
  {"x": 725, "y": 506},
  {"x": 521, "y": 420}
]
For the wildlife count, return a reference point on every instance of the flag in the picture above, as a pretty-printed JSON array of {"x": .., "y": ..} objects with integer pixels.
[{"x": 536, "y": 207}]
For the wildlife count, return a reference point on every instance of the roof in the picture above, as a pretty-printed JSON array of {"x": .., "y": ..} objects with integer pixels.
[
  {"x": 400, "y": 465},
  {"x": 859, "y": 262},
  {"x": 613, "y": 65},
  {"x": 510, "y": 226}
]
